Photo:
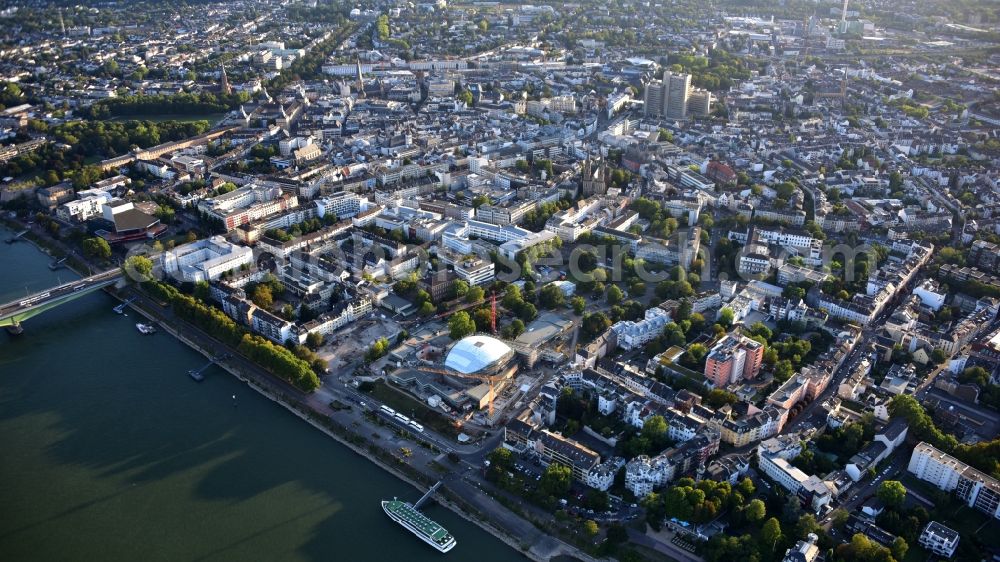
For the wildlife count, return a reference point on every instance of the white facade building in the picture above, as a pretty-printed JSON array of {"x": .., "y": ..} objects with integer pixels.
[
  {"x": 205, "y": 260},
  {"x": 637, "y": 334},
  {"x": 86, "y": 207},
  {"x": 939, "y": 539},
  {"x": 930, "y": 295}
]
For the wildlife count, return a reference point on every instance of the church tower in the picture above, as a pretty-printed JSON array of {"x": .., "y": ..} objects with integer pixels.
[
  {"x": 224, "y": 86},
  {"x": 360, "y": 81}
]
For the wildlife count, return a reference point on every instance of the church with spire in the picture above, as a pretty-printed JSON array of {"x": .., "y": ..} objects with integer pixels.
[
  {"x": 594, "y": 180},
  {"x": 224, "y": 86},
  {"x": 360, "y": 81}
]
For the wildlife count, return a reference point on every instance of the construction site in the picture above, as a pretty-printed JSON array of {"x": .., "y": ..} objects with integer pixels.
[{"x": 480, "y": 378}]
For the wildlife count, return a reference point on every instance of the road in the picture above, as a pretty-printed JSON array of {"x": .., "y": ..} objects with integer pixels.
[
  {"x": 846, "y": 366},
  {"x": 668, "y": 548},
  {"x": 58, "y": 292}
]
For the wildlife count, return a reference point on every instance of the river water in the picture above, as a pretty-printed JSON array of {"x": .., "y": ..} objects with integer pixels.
[{"x": 108, "y": 451}]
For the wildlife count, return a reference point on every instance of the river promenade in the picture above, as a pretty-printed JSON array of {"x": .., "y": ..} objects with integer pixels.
[{"x": 470, "y": 504}]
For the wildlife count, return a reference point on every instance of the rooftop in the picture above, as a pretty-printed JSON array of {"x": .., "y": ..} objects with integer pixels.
[{"x": 475, "y": 353}]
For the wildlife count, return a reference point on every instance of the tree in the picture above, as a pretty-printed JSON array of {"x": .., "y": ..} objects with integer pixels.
[
  {"x": 770, "y": 534},
  {"x": 314, "y": 340},
  {"x": 899, "y": 548},
  {"x": 427, "y": 308},
  {"x": 726, "y": 317},
  {"x": 637, "y": 289},
  {"x": 279, "y": 360},
  {"x": 614, "y": 295},
  {"x": 617, "y": 534},
  {"x": 807, "y": 524},
  {"x": 262, "y": 296},
  {"x": 97, "y": 248},
  {"x": 674, "y": 334},
  {"x": 759, "y": 329},
  {"x": 527, "y": 312},
  {"x": 202, "y": 291},
  {"x": 460, "y": 287},
  {"x": 483, "y": 319},
  {"x": 465, "y": 96},
  {"x": 654, "y": 428},
  {"x": 976, "y": 375},
  {"x": 892, "y": 493},
  {"x": 461, "y": 325},
  {"x": 138, "y": 268},
  {"x": 594, "y": 324},
  {"x": 587, "y": 261},
  {"x": 475, "y": 295},
  {"x": 501, "y": 462},
  {"x": 501, "y": 457},
  {"x": 839, "y": 517},
  {"x": 783, "y": 370},
  {"x": 590, "y": 528},
  {"x": 377, "y": 350},
  {"x": 556, "y": 480},
  {"x": 755, "y": 511},
  {"x": 695, "y": 353},
  {"x": 863, "y": 549},
  {"x": 718, "y": 398},
  {"x": 512, "y": 299},
  {"x": 794, "y": 292},
  {"x": 938, "y": 355},
  {"x": 579, "y": 304},
  {"x": 551, "y": 296}
]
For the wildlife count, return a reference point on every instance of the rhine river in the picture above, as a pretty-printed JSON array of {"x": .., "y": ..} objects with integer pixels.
[{"x": 108, "y": 452}]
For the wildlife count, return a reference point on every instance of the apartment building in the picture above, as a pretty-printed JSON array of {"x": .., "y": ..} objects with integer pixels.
[
  {"x": 644, "y": 474},
  {"x": 87, "y": 206},
  {"x": 247, "y": 204},
  {"x": 631, "y": 335},
  {"x": 732, "y": 359},
  {"x": 743, "y": 430},
  {"x": 774, "y": 457},
  {"x": 977, "y": 489},
  {"x": 344, "y": 205},
  {"x": 939, "y": 539}
]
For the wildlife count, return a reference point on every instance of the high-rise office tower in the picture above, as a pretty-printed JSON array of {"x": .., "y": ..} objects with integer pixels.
[
  {"x": 678, "y": 87},
  {"x": 675, "y": 98},
  {"x": 654, "y": 98}
]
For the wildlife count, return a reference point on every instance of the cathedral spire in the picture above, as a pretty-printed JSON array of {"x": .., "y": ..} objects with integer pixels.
[
  {"x": 224, "y": 86},
  {"x": 360, "y": 80}
]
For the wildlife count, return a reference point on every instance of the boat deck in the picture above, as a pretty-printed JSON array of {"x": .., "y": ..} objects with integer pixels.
[{"x": 427, "y": 526}]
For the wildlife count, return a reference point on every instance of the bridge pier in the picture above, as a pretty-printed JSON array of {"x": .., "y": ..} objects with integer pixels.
[{"x": 15, "y": 329}]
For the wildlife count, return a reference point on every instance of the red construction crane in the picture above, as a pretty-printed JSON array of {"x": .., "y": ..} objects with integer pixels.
[{"x": 493, "y": 314}]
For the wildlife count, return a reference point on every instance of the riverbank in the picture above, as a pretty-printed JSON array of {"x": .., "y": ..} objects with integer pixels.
[
  {"x": 294, "y": 401},
  {"x": 346, "y": 437}
]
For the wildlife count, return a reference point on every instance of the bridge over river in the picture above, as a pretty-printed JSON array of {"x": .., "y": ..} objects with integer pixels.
[{"x": 15, "y": 312}]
